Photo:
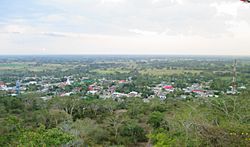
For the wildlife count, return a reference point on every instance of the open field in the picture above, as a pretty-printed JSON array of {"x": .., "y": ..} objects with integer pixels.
[
  {"x": 149, "y": 71},
  {"x": 110, "y": 71},
  {"x": 159, "y": 72},
  {"x": 13, "y": 66},
  {"x": 27, "y": 66}
]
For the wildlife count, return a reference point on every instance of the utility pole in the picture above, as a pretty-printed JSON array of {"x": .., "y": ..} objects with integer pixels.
[{"x": 234, "y": 83}]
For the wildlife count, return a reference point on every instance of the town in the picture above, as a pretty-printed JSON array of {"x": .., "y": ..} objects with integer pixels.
[
  {"x": 103, "y": 88},
  {"x": 116, "y": 89},
  {"x": 124, "y": 100}
]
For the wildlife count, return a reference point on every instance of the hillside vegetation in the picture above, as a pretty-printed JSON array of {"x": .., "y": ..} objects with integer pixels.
[{"x": 30, "y": 121}]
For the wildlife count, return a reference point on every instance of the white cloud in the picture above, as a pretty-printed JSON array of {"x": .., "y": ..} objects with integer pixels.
[
  {"x": 53, "y": 18},
  {"x": 228, "y": 8},
  {"x": 188, "y": 17},
  {"x": 131, "y": 26},
  {"x": 177, "y": 1},
  {"x": 111, "y": 1},
  {"x": 143, "y": 32},
  {"x": 15, "y": 28}
]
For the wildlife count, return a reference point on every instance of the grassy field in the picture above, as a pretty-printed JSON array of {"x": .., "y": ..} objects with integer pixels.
[
  {"x": 13, "y": 66},
  {"x": 50, "y": 67},
  {"x": 159, "y": 72},
  {"x": 154, "y": 72},
  {"x": 30, "y": 66},
  {"x": 110, "y": 71}
]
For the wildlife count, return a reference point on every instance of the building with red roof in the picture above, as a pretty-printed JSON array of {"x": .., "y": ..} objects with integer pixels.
[
  {"x": 122, "y": 81},
  {"x": 2, "y": 84},
  {"x": 168, "y": 87}
]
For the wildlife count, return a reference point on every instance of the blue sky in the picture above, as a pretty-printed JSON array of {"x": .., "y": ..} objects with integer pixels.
[{"x": 196, "y": 27}]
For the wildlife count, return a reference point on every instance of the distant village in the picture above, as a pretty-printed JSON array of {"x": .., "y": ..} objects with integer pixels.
[{"x": 51, "y": 86}]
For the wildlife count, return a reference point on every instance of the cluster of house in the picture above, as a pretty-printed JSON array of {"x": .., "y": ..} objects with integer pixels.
[
  {"x": 21, "y": 86},
  {"x": 3, "y": 86},
  {"x": 9, "y": 87},
  {"x": 110, "y": 91},
  {"x": 96, "y": 87},
  {"x": 161, "y": 90},
  {"x": 201, "y": 90}
]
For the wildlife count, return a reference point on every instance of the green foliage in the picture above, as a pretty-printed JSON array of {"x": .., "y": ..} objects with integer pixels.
[
  {"x": 155, "y": 119},
  {"x": 219, "y": 84},
  {"x": 98, "y": 122},
  {"x": 43, "y": 137},
  {"x": 133, "y": 132},
  {"x": 162, "y": 140},
  {"x": 15, "y": 134},
  {"x": 11, "y": 128},
  {"x": 135, "y": 107},
  {"x": 88, "y": 131}
]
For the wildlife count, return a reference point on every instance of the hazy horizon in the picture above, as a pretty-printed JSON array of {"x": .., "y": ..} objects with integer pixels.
[
  {"x": 148, "y": 54},
  {"x": 121, "y": 54}
]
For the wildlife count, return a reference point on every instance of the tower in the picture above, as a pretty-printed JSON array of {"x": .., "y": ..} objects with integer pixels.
[
  {"x": 17, "y": 87},
  {"x": 234, "y": 83},
  {"x": 68, "y": 81}
]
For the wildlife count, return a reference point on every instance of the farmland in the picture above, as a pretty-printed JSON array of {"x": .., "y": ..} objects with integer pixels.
[{"x": 162, "y": 72}]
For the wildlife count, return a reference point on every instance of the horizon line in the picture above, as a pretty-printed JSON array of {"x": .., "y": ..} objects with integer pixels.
[{"x": 228, "y": 55}]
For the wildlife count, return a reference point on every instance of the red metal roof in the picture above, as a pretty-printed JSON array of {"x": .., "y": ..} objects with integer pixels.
[
  {"x": 197, "y": 91},
  {"x": 168, "y": 87}
]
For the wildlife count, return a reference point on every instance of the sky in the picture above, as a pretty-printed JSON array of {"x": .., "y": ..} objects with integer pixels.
[{"x": 179, "y": 27}]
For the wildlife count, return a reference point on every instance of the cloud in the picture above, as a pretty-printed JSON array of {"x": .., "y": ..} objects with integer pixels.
[
  {"x": 124, "y": 26},
  {"x": 227, "y": 8},
  {"x": 143, "y": 32},
  {"x": 117, "y": 17},
  {"x": 17, "y": 29},
  {"x": 53, "y": 18},
  {"x": 13, "y": 29},
  {"x": 111, "y": 1}
]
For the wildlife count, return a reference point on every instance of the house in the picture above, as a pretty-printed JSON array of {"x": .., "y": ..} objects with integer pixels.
[
  {"x": 13, "y": 94},
  {"x": 105, "y": 95},
  {"x": 112, "y": 89},
  {"x": 162, "y": 97},
  {"x": 168, "y": 88},
  {"x": 3, "y": 86},
  {"x": 46, "y": 98},
  {"x": 32, "y": 83},
  {"x": 66, "y": 94},
  {"x": 90, "y": 88},
  {"x": 231, "y": 92},
  {"x": 197, "y": 91},
  {"x": 146, "y": 100},
  {"x": 243, "y": 87},
  {"x": 92, "y": 92},
  {"x": 183, "y": 96},
  {"x": 134, "y": 94},
  {"x": 94, "y": 87},
  {"x": 66, "y": 83},
  {"x": 203, "y": 93},
  {"x": 118, "y": 95},
  {"x": 122, "y": 81}
]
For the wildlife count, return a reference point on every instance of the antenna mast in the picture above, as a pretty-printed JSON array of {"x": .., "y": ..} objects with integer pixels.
[
  {"x": 17, "y": 87},
  {"x": 234, "y": 83}
]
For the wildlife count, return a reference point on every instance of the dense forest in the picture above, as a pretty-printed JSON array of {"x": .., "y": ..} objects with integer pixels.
[{"x": 71, "y": 121}]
